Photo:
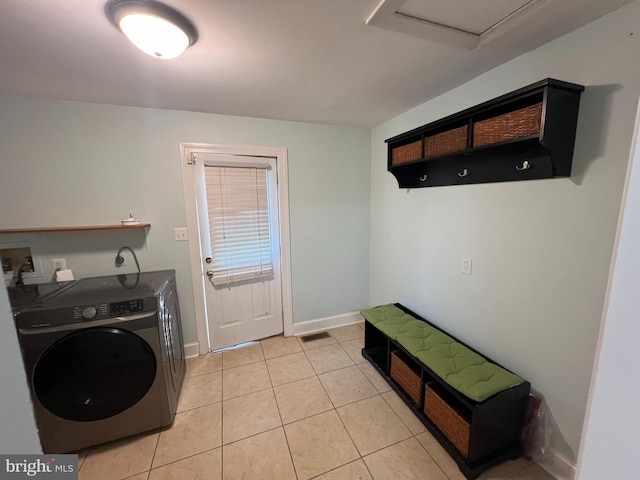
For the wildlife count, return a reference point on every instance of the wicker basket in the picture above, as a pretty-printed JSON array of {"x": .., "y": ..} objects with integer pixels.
[
  {"x": 451, "y": 423},
  {"x": 517, "y": 124},
  {"x": 406, "y": 153},
  {"x": 405, "y": 376},
  {"x": 450, "y": 141}
]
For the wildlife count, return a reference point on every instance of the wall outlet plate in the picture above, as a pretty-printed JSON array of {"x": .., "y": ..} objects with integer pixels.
[
  {"x": 180, "y": 234},
  {"x": 59, "y": 264}
]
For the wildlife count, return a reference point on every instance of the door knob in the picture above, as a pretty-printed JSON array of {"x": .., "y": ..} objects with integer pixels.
[
  {"x": 209, "y": 273},
  {"x": 208, "y": 260}
]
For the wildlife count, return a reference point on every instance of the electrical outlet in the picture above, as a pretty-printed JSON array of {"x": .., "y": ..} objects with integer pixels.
[
  {"x": 465, "y": 266},
  {"x": 180, "y": 234},
  {"x": 59, "y": 264}
]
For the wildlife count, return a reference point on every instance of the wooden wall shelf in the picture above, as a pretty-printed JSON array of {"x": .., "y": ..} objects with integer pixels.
[
  {"x": 85, "y": 228},
  {"x": 523, "y": 135}
]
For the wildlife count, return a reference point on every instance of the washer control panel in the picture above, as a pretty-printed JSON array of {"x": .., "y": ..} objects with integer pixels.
[
  {"x": 126, "y": 308},
  {"x": 94, "y": 301},
  {"x": 106, "y": 310},
  {"x": 90, "y": 312}
]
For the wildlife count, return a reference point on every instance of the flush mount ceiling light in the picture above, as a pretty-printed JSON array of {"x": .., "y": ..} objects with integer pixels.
[{"x": 155, "y": 28}]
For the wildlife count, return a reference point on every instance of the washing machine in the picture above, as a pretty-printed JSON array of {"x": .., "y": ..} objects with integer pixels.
[{"x": 104, "y": 359}]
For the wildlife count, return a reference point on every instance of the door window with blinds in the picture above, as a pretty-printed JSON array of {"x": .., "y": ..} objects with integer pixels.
[{"x": 239, "y": 226}]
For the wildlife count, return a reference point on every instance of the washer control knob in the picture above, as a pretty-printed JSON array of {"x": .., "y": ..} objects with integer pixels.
[{"x": 89, "y": 313}]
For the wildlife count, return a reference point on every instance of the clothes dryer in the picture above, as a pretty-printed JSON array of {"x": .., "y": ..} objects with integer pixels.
[{"x": 104, "y": 359}]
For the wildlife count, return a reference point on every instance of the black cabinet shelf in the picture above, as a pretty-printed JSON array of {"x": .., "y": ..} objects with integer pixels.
[
  {"x": 523, "y": 135},
  {"x": 469, "y": 151}
]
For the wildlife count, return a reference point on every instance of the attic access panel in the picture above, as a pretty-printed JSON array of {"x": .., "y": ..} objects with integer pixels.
[
  {"x": 467, "y": 24},
  {"x": 469, "y": 16}
]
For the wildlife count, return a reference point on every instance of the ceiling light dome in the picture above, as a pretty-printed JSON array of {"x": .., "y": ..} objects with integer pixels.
[{"x": 155, "y": 28}]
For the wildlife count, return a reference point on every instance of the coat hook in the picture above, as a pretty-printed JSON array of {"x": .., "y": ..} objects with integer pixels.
[
  {"x": 424, "y": 177},
  {"x": 525, "y": 166},
  {"x": 464, "y": 173}
]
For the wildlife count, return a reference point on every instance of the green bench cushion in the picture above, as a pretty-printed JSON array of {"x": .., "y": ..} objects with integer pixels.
[
  {"x": 390, "y": 320},
  {"x": 460, "y": 367}
]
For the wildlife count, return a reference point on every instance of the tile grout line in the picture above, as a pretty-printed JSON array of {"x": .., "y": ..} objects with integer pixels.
[
  {"x": 179, "y": 460},
  {"x": 155, "y": 450},
  {"x": 343, "y": 425},
  {"x": 222, "y": 417},
  {"x": 361, "y": 456},
  {"x": 286, "y": 439},
  {"x": 284, "y": 431}
]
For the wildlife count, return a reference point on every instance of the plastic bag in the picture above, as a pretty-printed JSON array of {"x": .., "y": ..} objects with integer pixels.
[{"x": 536, "y": 430}]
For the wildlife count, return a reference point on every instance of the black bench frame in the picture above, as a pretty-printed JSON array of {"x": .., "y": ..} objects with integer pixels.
[{"x": 495, "y": 422}]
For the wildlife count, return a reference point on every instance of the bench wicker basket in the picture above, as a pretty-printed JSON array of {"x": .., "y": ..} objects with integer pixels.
[
  {"x": 455, "y": 427},
  {"x": 405, "y": 377},
  {"x": 508, "y": 126}
]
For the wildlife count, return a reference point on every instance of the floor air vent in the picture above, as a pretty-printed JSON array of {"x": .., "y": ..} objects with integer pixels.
[{"x": 314, "y": 336}]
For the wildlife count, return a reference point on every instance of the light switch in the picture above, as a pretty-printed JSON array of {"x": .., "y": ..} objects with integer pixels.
[{"x": 465, "y": 266}]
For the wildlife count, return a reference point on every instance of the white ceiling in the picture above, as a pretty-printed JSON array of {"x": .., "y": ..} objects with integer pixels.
[{"x": 302, "y": 60}]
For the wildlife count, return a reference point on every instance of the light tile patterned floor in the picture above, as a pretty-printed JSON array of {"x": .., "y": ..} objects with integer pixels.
[{"x": 281, "y": 409}]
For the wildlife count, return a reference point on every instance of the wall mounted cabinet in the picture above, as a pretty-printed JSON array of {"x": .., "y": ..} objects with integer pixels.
[{"x": 523, "y": 135}]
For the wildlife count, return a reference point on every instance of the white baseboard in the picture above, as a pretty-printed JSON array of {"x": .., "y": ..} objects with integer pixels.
[
  {"x": 559, "y": 466},
  {"x": 320, "y": 324},
  {"x": 191, "y": 349},
  {"x": 301, "y": 328}
]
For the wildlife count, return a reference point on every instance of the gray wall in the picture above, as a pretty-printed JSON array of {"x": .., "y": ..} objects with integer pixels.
[
  {"x": 69, "y": 163},
  {"x": 609, "y": 447},
  {"x": 17, "y": 423},
  {"x": 541, "y": 249}
]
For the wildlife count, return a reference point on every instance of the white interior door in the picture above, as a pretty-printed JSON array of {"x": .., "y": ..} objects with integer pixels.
[{"x": 240, "y": 247}]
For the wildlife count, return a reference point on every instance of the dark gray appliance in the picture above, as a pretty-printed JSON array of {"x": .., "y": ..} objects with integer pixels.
[{"x": 104, "y": 358}]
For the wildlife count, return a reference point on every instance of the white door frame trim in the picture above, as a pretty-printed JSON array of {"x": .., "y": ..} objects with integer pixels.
[{"x": 188, "y": 182}]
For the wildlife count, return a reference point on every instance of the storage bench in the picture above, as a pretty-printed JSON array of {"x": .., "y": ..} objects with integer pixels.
[{"x": 473, "y": 406}]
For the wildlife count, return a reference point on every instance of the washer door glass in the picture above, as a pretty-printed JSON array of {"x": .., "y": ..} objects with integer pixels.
[{"x": 94, "y": 374}]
